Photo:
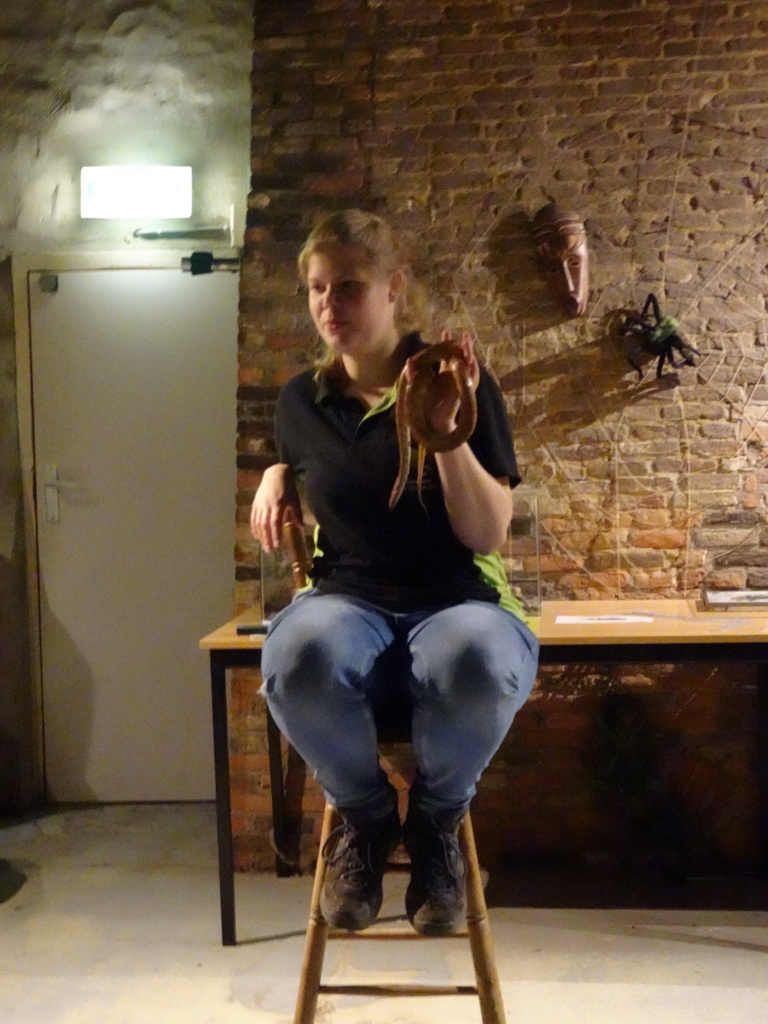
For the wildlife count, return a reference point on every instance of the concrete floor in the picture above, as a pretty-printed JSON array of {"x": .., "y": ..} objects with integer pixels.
[{"x": 117, "y": 922}]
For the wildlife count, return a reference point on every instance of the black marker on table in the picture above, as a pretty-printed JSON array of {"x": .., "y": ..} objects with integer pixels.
[{"x": 253, "y": 628}]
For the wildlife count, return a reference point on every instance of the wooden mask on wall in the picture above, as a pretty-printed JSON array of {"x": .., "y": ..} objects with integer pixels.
[{"x": 561, "y": 245}]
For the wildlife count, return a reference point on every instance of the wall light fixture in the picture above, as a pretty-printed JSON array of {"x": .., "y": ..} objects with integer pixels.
[{"x": 136, "y": 192}]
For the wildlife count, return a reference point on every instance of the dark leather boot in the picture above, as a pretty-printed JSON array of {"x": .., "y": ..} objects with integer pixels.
[
  {"x": 356, "y": 854},
  {"x": 435, "y": 898}
]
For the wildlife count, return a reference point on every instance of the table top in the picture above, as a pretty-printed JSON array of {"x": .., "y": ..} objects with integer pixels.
[
  {"x": 226, "y": 637},
  {"x": 651, "y": 621},
  {"x": 641, "y": 621}
]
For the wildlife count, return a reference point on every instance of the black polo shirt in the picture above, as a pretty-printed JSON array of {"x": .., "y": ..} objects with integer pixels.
[{"x": 347, "y": 459}]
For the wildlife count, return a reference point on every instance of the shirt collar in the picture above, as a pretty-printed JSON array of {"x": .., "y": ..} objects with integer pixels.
[{"x": 327, "y": 389}]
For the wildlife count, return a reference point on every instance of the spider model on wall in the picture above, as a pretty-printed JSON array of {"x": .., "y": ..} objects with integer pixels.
[{"x": 649, "y": 333}]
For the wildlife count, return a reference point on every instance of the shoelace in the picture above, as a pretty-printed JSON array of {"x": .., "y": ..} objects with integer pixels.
[
  {"x": 335, "y": 849},
  {"x": 447, "y": 865}
]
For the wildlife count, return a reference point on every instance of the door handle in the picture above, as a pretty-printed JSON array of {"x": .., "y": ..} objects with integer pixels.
[{"x": 51, "y": 487}]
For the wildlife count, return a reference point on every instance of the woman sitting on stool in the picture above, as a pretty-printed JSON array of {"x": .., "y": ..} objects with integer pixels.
[{"x": 409, "y": 605}]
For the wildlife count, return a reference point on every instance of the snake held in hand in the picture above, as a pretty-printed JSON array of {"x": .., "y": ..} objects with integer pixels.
[{"x": 412, "y": 409}]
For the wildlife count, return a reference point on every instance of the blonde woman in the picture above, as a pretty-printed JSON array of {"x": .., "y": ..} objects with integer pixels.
[{"x": 408, "y": 609}]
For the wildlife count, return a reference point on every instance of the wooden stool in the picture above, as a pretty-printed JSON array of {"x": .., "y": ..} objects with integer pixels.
[{"x": 486, "y": 986}]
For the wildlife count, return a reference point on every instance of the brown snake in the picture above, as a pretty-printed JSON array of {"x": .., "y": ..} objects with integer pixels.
[{"x": 412, "y": 409}]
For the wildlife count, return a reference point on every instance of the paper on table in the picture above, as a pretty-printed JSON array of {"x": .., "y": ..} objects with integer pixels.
[{"x": 568, "y": 620}]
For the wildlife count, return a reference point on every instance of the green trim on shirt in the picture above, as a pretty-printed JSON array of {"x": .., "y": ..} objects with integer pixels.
[
  {"x": 386, "y": 401},
  {"x": 492, "y": 570}
]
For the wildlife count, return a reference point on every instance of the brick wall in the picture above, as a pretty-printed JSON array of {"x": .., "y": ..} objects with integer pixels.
[{"x": 458, "y": 121}]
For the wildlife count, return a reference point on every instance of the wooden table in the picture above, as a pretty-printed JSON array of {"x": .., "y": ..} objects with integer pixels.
[{"x": 570, "y": 632}]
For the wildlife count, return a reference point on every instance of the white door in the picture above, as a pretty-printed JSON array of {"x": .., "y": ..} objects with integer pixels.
[{"x": 133, "y": 388}]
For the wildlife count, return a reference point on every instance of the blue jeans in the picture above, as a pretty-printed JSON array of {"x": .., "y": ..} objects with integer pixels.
[{"x": 331, "y": 663}]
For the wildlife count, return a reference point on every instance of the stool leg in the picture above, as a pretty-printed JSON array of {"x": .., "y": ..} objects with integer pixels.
[
  {"x": 479, "y": 930},
  {"x": 317, "y": 935}
]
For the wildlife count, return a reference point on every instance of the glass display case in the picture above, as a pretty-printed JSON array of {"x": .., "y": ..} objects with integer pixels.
[{"x": 522, "y": 554}]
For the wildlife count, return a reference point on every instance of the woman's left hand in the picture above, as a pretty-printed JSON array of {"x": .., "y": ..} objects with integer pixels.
[{"x": 442, "y": 396}]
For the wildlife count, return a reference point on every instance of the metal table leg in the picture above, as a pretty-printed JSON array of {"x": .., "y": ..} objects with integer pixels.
[
  {"x": 762, "y": 763},
  {"x": 223, "y": 802},
  {"x": 283, "y": 867}
]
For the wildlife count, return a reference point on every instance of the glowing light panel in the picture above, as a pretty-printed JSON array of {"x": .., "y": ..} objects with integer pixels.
[{"x": 136, "y": 193}]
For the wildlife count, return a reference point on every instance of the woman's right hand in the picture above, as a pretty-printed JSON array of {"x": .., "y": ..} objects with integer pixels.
[{"x": 276, "y": 499}]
